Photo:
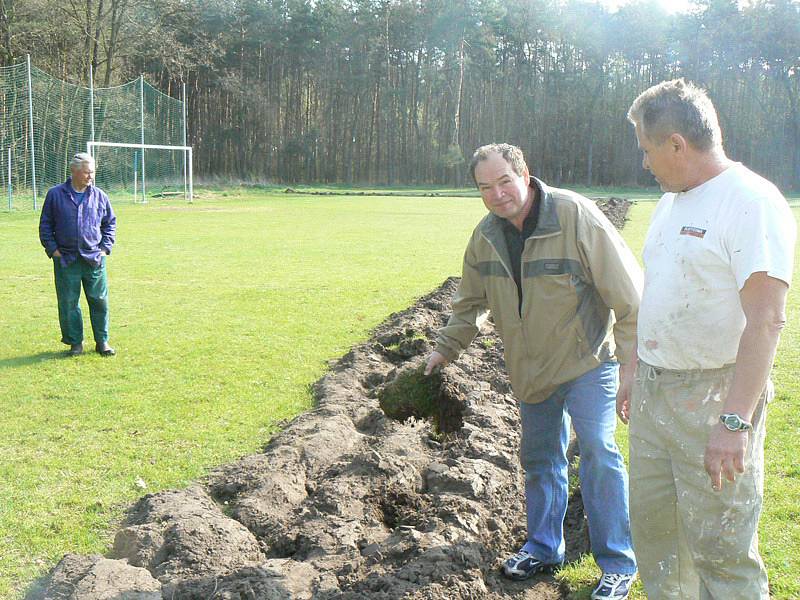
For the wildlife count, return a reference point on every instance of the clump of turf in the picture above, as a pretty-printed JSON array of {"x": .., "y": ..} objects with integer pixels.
[{"x": 411, "y": 394}]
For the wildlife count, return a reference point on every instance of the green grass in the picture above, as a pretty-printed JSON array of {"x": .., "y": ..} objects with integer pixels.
[
  {"x": 352, "y": 190},
  {"x": 223, "y": 313}
]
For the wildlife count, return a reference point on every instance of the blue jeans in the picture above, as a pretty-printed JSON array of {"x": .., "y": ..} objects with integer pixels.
[{"x": 589, "y": 401}]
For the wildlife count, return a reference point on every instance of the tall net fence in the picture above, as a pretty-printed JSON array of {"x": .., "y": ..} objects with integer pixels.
[
  {"x": 63, "y": 117},
  {"x": 15, "y": 174}
]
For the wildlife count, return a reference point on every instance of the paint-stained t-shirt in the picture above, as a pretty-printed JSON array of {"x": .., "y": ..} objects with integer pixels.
[{"x": 700, "y": 249}]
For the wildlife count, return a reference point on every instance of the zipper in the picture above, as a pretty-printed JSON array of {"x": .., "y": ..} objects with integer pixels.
[{"x": 508, "y": 271}]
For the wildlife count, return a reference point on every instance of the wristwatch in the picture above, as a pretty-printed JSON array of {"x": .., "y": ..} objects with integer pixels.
[{"x": 734, "y": 422}]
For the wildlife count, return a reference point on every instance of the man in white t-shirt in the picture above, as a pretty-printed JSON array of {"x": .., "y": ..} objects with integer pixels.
[{"x": 718, "y": 262}]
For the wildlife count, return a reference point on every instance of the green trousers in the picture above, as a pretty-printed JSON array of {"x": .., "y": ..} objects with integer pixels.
[
  {"x": 691, "y": 542},
  {"x": 68, "y": 292}
]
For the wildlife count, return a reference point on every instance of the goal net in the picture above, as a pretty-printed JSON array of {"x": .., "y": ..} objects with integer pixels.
[
  {"x": 44, "y": 121},
  {"x": 140, "y": 172}
]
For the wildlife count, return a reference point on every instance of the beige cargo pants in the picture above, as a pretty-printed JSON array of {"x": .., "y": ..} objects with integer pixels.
[{"x": 691, "y": 542}]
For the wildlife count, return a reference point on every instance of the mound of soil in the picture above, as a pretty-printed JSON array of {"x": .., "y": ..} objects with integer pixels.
[
  {"x": 394, "y": 486},
  {"x": 616, "y": 209}
]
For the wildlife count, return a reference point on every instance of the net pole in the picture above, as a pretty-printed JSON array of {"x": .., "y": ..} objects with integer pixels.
[
  {"x": 183, "y": 107},
  {"x": 141, "y": 116},
  {"x": 10, "y": 195},
  {"x": 91, "y": 98},
  {"x": 30, "y": 125},
  {"x": 191, "y": 178}
]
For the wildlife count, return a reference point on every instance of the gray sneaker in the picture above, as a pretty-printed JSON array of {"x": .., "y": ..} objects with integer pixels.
[
  {"x": 613, "y": 586},
  {"x": 523, "y": 565}
]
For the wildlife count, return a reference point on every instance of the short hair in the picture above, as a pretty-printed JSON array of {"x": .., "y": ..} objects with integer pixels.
[
  {"x": 80, "y": 159},
  {"x": 677, "y": 106},
  {"x": 512, "y": 155}
]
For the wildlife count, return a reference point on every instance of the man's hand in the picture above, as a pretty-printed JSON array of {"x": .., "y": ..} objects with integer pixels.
[
  {"x": 436, "y": 359},
  {"x": 624, "y": 402},
  {"x": 56, "y": 254},
  {"x": 627, "y": 373},
  {"x": 725, "y": 454}
]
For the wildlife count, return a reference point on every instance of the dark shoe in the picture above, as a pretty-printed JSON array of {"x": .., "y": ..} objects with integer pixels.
[
  {"x": 75, "y": 350},
  {"x": 523, "y": 565},
  {"x": 104, "y": 349}
]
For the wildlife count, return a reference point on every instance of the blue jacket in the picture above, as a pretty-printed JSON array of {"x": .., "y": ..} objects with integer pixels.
[{"x": 86, "y": 229}]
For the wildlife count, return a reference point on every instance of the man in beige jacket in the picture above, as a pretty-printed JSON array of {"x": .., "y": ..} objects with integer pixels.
[{"x": 563, "y": 289}]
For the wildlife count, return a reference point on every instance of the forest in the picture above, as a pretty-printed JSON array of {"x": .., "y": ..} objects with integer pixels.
[{"x": 396, "y": 92}]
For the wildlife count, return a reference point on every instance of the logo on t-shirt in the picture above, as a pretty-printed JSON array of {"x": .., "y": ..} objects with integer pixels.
[{"x": 694, "y": 231}]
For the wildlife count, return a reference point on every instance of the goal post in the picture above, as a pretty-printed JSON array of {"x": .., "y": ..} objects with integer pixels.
[{"x": 120, "y": 169}]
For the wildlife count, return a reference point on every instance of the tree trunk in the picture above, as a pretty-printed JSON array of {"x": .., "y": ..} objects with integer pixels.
[{"x": 6, "y": 20}]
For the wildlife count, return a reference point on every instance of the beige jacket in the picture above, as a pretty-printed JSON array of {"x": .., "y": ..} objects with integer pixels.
[{"x": 581, "y": 291}]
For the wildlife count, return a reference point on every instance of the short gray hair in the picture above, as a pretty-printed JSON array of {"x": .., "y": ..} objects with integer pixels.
[
  {"x": 80, "y": 159},
  {"x": 677, "y": 106},
  {"x": 512, "y": 155}
]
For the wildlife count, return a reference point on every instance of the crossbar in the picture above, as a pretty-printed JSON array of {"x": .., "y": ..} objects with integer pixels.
[{"x": 90, "y": 145}]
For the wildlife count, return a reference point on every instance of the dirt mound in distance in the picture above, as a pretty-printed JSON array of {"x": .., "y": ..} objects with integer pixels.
[
  {"x": 394, "y": 486},
  {"x": 616, "y": 209}
]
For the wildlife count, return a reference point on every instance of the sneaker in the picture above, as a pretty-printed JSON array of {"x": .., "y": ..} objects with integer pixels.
[
  {"x": 523, "y": 565},
  {"x": 613, "y": 586}
]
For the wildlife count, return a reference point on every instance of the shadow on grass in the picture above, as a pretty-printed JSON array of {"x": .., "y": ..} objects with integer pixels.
[
  {"x": 37, "y": 589},
  {"x": 22, "y": 361}
]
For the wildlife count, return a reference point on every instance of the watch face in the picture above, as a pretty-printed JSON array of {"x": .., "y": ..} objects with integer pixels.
[{"x": 733, "y": 422}]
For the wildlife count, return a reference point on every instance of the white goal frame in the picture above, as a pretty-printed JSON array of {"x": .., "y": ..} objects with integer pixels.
[{"x": 187, "y": 157}]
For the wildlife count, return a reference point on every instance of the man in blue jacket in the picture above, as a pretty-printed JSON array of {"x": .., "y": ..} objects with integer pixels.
[{"x": 77, "y": 229}]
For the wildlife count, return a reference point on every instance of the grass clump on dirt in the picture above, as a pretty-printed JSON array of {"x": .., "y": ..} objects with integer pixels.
[{"x": 412, "y": 394}]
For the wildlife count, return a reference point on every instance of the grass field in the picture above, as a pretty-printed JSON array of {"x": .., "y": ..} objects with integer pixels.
[{"x": 223, "y": 313}]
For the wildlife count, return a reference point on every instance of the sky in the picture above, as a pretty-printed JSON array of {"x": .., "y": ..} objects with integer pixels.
[{"x": 670, "y": 6}]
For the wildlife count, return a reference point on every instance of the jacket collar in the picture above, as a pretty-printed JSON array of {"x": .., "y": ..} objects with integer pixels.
[
  {"x": 70, "y": 192},
  {"x": 491, "y": 228},
  {"x": 548, "y": 223}
]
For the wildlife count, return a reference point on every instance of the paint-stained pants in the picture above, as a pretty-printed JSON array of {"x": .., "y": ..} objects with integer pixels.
[{"x": 691, "y": 542}]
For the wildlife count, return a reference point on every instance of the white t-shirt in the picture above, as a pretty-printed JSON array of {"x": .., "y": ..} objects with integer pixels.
[{"x": 701, "y": 247}]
